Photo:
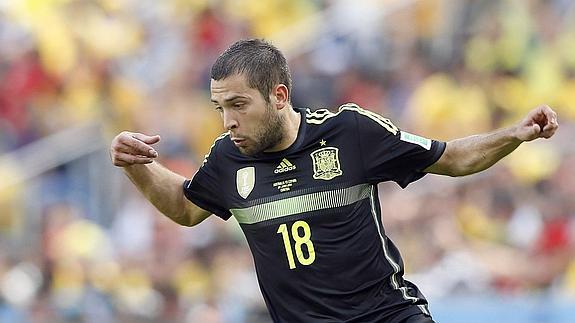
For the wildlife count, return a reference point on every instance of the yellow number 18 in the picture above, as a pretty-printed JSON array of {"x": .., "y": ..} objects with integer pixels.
[{"x": 300, "y": 240}]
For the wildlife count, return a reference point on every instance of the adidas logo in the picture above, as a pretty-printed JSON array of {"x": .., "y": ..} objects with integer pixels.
[{"x": 284, "y": 166}]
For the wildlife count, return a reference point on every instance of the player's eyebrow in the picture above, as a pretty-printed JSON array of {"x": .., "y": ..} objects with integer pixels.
[{"x": 231, "y": 98}]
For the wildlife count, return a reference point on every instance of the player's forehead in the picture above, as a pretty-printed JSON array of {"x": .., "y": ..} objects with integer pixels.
[{"x": 232, "y": 86}]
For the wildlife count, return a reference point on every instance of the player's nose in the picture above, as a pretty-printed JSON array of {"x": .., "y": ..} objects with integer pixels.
[{"x": 230, "y": 122}]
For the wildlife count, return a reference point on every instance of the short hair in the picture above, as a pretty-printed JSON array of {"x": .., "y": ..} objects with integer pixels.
[{"x": 262, "y": 63}]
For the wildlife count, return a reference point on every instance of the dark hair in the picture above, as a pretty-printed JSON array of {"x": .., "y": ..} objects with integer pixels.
[{"x": 261, "y": 62}]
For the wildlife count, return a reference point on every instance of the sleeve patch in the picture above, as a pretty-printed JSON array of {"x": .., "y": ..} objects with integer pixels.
[{"x": 415, "y": 139}]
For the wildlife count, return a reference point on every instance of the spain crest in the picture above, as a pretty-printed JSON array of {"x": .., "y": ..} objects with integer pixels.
[{"x": 326, "y": 164}]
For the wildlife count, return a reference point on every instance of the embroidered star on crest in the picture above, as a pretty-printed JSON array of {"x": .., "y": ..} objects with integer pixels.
[{"x": 322, "y": 143}]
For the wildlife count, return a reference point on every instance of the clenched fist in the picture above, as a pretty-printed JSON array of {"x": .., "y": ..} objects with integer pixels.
[
  {"x": 540, "y": 122},
  {"x": 130, "y": 148}
]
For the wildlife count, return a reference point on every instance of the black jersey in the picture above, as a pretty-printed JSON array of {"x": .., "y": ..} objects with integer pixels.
[{"x": 312, "y": 218}]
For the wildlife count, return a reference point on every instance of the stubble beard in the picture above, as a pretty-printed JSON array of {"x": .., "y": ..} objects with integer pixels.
[{"x": 270, "y": 134}]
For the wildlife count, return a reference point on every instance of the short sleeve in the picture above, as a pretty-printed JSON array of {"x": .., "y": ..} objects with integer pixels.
[
  {"x": 204, "y": 188},
  {"x": 390, "y": 154}
]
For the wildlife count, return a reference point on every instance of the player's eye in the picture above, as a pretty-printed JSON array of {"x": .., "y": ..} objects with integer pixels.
[{"x": 218, "y": 108}]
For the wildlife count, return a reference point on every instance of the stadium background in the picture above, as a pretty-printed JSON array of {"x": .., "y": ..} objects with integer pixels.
[{"x": 79, "y": 244}]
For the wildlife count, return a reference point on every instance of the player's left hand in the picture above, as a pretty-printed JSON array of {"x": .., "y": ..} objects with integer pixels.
[{"x": 540, "y": 122}]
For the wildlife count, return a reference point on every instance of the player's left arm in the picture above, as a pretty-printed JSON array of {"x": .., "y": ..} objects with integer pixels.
[{"x": 475, "y": 153}]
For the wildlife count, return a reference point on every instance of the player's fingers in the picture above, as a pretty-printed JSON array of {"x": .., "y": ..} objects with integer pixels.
[
  {"x": 123, "y": 159},
  {"x": 120, "y": 147},
  {"x": 549, "y": 130},
  {"x": 534, "y": 131},
  {"x": 136, "y": 146},
  {"x": 551, "y": 117},
  {"x": 150, "y": 140},
  {"x": 546, "y": 113}
]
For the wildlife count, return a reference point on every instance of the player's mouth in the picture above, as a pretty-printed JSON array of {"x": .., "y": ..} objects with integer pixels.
[{"x": 239, "y": 142}]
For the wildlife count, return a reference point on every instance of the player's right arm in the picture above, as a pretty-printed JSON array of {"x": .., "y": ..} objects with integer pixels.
[{"x": 162, "y": 187}]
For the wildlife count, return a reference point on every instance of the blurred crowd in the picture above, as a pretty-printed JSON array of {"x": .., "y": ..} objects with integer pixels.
[{"x": 79, "y": 244}]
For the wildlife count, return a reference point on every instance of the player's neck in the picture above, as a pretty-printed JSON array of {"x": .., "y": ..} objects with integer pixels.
[{"x": 290, "y": 130}]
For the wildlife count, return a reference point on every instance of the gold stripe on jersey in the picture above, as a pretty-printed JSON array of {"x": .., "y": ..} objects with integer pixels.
[
  {"x": 321, "y": 115},
  {"x": 301, "y": 204},
  {"x": 220, "y": 137}
]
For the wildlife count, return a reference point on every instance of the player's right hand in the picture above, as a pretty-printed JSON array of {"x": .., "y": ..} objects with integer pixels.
[{"x": 131, "y": 148}]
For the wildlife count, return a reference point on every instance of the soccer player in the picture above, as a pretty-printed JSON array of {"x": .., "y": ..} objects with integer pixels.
[{"x": 303, "y": 186}]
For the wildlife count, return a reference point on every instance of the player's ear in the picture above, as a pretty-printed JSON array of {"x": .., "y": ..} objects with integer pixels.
[{"x": 280, "y": 95}]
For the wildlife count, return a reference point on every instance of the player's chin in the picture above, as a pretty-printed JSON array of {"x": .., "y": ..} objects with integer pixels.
[
  {"x": 247, "y": 150},
  {"x": 242, "y": 145},
  {"x": 251, "y": 149}
]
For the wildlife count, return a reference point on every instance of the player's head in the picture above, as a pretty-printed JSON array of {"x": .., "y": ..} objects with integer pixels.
[
  {"x": 250, "y": 86},
  {"x": 262, "y": 63}
]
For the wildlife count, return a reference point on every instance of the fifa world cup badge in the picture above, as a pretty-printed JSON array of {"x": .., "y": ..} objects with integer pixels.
[
  {"x": 326, "y": 164},
  {"x": 245, "y": 180}
]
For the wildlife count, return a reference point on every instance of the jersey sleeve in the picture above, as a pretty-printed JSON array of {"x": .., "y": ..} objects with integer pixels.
[
  {"x": 204, "y": 190},
  {"x": 390, "y": 154}
]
